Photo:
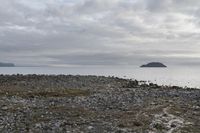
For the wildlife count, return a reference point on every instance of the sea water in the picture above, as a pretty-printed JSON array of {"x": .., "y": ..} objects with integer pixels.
[{"x": 174, "y": 76}]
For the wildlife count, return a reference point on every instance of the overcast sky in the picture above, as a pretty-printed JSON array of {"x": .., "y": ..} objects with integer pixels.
[{"x": 99, "y": 32}]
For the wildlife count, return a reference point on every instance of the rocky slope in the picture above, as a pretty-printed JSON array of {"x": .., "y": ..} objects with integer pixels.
[{"x": 73, "y": 104}]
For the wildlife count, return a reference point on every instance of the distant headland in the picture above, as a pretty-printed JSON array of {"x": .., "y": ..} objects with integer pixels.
[
  {"x": 154, "y": 64},
  {"x": 6, "y": 64}
]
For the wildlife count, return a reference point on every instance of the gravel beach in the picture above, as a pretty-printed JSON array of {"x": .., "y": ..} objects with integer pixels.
[{"x": 95, "y": 104}]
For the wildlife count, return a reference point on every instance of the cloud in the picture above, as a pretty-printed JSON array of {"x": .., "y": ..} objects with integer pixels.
[{"x": 99, "y": 32}]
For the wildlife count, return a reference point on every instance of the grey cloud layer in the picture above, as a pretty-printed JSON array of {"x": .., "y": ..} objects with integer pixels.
[{"x": 99, "y": 32}]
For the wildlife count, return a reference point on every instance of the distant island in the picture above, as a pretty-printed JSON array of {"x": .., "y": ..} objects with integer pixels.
[
  {"x": 154, "y": 64},
  {"x": 6, "y": 64}
]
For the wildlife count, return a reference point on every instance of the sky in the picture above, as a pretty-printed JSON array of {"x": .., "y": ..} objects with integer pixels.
[{"x": 99, "y": 32}]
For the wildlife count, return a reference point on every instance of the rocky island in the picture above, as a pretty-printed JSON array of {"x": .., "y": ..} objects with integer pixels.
[
  {"x": 6, "y": 64},
  {"x": 95, "y": 104},
  {"x": 154, "y": 64}
]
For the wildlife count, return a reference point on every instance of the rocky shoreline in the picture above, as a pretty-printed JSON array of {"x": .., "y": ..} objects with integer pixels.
[{"x": 88, "y": 104}]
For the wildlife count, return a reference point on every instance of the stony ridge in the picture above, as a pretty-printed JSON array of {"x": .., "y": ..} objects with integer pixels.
[{"x": 72, "y": 104}]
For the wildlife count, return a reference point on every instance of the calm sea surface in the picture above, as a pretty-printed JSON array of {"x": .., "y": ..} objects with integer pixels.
[{"x": 180, "y": 76}]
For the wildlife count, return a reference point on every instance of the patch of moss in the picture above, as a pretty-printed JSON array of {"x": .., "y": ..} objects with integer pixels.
[
  {"x": 65, "y": 93},
  {"x": 37, "y": 118},
  {"x": 159, "y": 126},
  {"x": 130, "y": 124},
  {"x": 32, "y": 94},
  {"x": 72, "y": 112},
  {"x": 176, "y": 110},
  {"x": 15, "y": 108},
  {"x": 190, "y": 129}
]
